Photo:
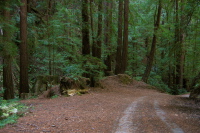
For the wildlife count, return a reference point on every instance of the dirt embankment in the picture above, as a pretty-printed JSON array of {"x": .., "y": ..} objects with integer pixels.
[{"x": 117, "y": 108}]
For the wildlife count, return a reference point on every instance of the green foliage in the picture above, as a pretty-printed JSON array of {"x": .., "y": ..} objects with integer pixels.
[
  {"x": 138, "y": 78},
  {"x": 7, "y": 45},
  {"x": 156, "y": 80},
  {"x": 182, "y": 91},
  {"x": 10, "y": 111},
  {"x": 85, "y": 65},
  {"x": 9, "y": 120},
  {"x": 1, "y": 81},
  {"x": 1, "y": 91},
  {"x": 55, "y": 96},
  {"x": 93, "y": 65},
  {"x": 73, "y": 70}
]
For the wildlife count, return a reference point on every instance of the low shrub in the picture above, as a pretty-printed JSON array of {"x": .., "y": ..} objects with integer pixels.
[{"x": 10, "y": 111}]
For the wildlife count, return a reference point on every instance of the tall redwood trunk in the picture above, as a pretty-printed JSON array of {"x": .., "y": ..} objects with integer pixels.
[
  {"x": 24, "y": 87},
  {"x": 153, "y": 46},
  {"x": 118, "y": 67},
  {"x": 7, "y": 59},
  {"x": 125, "y": 39}
]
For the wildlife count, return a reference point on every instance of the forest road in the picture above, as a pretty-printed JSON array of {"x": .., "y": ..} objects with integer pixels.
[
  {"x": 116, "y": 109},
  {"x": 145, "y": 115}
]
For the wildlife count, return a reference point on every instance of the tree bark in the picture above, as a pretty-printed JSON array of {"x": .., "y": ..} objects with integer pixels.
[
  {"x": 7, "y": 59},
  {"x": 85, "y": 28},
  {"x": 179, "y": 40},
  {"x": 125, "y": 39},
  {"x": 49, "y": 12},
  {"x": 99, "y": 34},
  {"x": 93, "y": 41},
  {"x": 118, "y": 67},
  {"x": 29, "y": 6},
  {"x": 153, "y": 46},
  {"x": 24, "y": 87},
  {"x": 182, "y": 53},
  {"x": 108, "y": 36}
]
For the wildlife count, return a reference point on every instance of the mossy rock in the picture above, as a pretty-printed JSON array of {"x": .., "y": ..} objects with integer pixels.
[{"x": 125, "y": 79}]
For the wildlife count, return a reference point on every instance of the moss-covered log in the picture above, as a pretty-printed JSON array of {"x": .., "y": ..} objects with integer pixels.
[{"x": 67, "y": 83}]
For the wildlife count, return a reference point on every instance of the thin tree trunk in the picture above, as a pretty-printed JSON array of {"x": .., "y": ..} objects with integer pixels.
[
  {"x": 125, "y": 39},
  {"x": 118, "y": 67},
  {"x": 134, "y": 64},
  {"x": 96, "y": 41},
  {"x": 85, "y": 33},
  {"x": 85, "y": 28},
  {"x": 29, "y": 6},
  {"x": 94, "y": 47},
  {"x": 24, "y": 87},
  {"x": 99, "y": 34},
  {"x": 153, "y": 47},
  {"x": 50, "y": 48},
  {"x": 177, "y": 41},
  {"x": 182, "y": 53},
  {"x": 108, "y": 36},
  {"x": 7, "y": 59}
]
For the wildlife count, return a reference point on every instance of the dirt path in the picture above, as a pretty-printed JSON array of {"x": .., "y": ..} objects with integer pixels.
[{"x": 116, "y": 109}]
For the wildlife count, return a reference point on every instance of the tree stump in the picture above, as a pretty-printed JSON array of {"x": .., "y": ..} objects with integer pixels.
[
  {"x": 43, "y": 83},
  {"x": 195, "y": 93}
]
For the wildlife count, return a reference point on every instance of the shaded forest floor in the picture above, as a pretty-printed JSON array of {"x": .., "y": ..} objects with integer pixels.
[{"x": 117, "y": 108}]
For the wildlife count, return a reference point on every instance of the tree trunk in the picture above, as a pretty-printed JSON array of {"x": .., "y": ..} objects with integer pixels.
[
  {"x": 179, "y": 40},
  {"x": 118, "y": 67},
  {"x": 94, "y": 47},
  {"x": 85, "y": 28},
  {"x": 29, "y": 6},
  {"x": 99, "y": 34},
  {"x": 108, "y": 36},
  {"x": 7, "y": 59},
  {"x": 96, "y": 41},
  {"x": 125, "y": 39},
  {"x": 182, "y": 53},
  {"x": 50, "y": 47},
  {"x": 24, "y": 87},
  {"x": 153, "y": 46}
]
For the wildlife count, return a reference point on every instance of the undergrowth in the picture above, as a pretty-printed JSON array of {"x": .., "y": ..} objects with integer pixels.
[
  {"x": 156, "y": 80},
  {"x": 10, "y": 111}
]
